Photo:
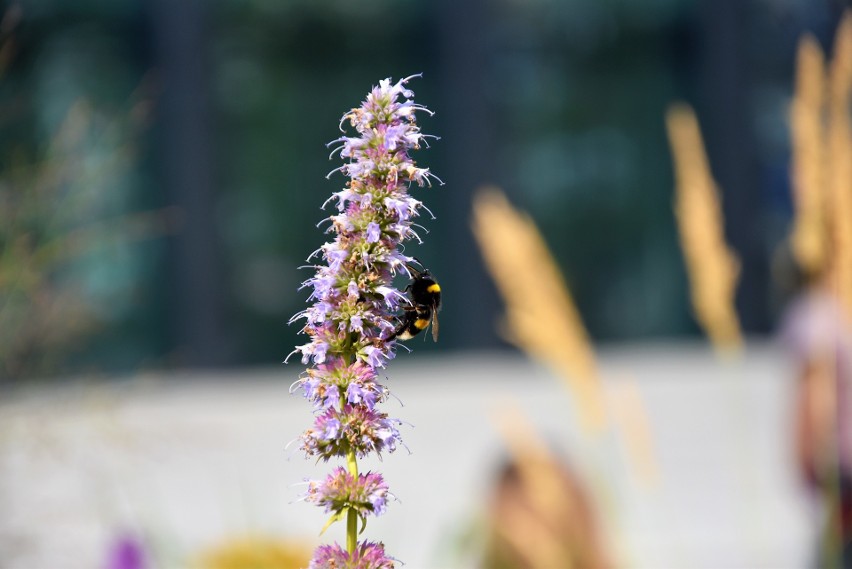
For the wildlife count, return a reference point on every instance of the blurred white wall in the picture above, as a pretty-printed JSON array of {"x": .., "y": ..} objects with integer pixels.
[{"x": 190, "y": 461}]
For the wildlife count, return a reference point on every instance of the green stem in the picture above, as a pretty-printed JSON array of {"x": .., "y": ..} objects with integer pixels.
[{"x": 351, "y": 515}]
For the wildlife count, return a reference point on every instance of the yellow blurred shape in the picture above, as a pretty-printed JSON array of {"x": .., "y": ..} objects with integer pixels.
[
  {"x": 541, "y": 318},
  {"x": 808, "y": 240},
  {"x": 712, "y": 267},
  {"x": 821, "y": 133},
  {"x": 255, "y": 553},
  {"x": 541, "y": 511},
  {"x": 840, "y": 161}
]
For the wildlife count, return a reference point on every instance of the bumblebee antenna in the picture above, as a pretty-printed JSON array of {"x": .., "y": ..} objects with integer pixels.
[
  {"x": 417, "y": 273},
  {"x": 412, "y": 269}
]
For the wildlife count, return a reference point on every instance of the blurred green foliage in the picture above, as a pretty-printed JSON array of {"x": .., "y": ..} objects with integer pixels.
[{"x": 566, "y": 115}]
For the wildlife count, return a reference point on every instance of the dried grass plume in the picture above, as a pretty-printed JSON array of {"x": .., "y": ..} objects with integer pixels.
[
  {"x": 821, "y": 133},
  {"x": 541, "y": 318},
  {"x": 712, "y": 267},
  {"x": 542, "y": 515},
  {"x": 808, "y": 240},
  {"x": 840, "y": 163}
]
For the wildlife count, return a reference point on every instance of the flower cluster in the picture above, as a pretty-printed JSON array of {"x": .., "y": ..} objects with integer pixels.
[
  {"x": 326, "y": 383},
  {"x": 354, "y": 312},
  {"x": 354, "y": 428},
  {"x": 366, "y": 493},
  {"x": 368, "y": 555}
]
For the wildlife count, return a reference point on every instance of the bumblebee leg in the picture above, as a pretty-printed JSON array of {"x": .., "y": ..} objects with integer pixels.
[
  {"x": 400, "y": 326},
  {"x": 403, "y": 323}
]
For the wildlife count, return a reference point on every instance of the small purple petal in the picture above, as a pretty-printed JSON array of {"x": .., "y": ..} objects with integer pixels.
[
  {"x": 374, "y": 232},
  {"x": 352, "y": 290}
]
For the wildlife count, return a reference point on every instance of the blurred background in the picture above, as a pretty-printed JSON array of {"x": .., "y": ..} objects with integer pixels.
[
  {"x": 162, "y": 167},
  {"x": 211, "y": 119}
]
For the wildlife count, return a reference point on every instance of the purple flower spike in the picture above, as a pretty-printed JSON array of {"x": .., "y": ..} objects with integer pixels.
[{"x": 355, "y": 310}]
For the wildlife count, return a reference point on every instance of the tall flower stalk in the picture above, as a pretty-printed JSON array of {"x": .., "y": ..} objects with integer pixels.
[{"x": 354, "y": 313}]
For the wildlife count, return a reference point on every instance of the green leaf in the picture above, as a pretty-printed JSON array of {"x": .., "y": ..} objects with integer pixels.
[{"x": 335, "y": 517}]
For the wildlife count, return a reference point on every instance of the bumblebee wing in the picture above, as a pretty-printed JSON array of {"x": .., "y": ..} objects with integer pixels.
[{"x": 434, "y": 325}]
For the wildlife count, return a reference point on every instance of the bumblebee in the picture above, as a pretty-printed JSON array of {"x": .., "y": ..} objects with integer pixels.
[{"x": 425, "y": 296}]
